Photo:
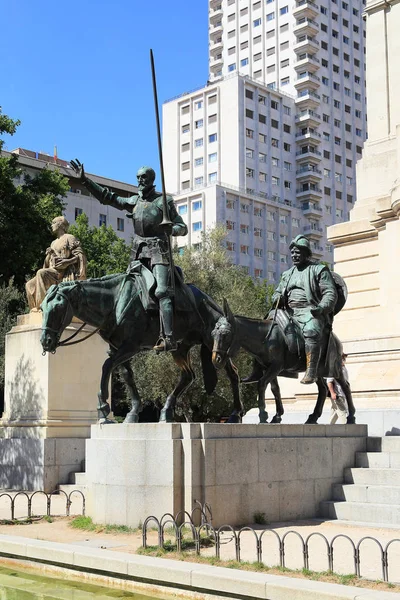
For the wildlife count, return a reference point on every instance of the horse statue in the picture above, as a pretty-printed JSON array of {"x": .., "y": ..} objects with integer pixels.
[
  {"x": 266, "y": 342},
  {"x": 116, "y": 306}
]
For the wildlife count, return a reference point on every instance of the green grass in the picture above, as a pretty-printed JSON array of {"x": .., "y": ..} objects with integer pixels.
[
  {"x": 350, "y": 580},
  {"x": 86, "y": 524}
]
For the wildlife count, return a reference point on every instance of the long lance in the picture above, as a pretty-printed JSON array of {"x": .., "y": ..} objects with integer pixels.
[{"x": 166, "y": 218}]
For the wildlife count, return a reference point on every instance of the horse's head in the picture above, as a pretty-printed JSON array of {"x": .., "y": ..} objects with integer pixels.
[
  {"x": 223, "y": 336},
  {"x": 57, "y": 314}
]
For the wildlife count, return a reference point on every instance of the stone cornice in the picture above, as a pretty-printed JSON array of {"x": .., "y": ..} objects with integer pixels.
[{"x": 375, "y": 5}]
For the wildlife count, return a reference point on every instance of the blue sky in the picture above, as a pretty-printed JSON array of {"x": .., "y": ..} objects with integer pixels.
[{"x": 77, "y": 75}]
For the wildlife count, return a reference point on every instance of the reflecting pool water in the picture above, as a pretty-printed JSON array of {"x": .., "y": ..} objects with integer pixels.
[{"x": 23, "y": 585}]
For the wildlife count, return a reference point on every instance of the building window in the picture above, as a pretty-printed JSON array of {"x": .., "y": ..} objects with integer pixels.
[
  {"x": 212, "y": 177},
  {"x": 198, "y": 105},
  {"x": 262, "y": 157},
  {"x": 244, "y": 249},
  {"x": 182, "y": 209},
  {"x": 198, "y": 143},
  {"x": 257, "y": 22},
  {"x": 120, "y": 224},
  {"x": 230, "y": 225},
  {"x": 198, "y": 181},
  {"x": 244, "y": 229},
  {"x": 198, "y": 161},
  {"x": 262, "y": 138},
  {"x": 257, "y": 211},
  {"x": 78, "y": 211},
  {"x": 197, "y": 226},
  {"x": 258, "y": 252},
  {"x": 196, "y": 205},
  {"x": 102, "y": 220},
  {"x": 230, "y": 246},
  {"x": 185, "y": 166},
  {"x": 249, "y": 133},
  {"x": 198, "y": 124},
  {"x": 212, "y": 138},
  {"x": 244, "y": 62},
  {"x": 186, "y": 128}
]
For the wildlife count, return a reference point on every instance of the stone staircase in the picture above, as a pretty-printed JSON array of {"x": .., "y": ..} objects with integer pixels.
[
  {"x": 76, "y": 481},
  {"x": 371, "y": 492}
]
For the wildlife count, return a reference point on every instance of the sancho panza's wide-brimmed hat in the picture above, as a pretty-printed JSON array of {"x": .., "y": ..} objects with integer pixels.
[{"x": 300, "y": 241}]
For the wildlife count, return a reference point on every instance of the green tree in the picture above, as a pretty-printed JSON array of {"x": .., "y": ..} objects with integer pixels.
[
  {"x": 210, "y": 268},
  {"x": 26, "y": 211},
  {"x": 106, "y": 253},
  {"x": 27, "y": 206}
]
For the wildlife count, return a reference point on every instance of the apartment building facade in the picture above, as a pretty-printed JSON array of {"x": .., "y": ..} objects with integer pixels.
[
  {"x": 280, "y": 124},
  {"x": 78, "y": 200}
]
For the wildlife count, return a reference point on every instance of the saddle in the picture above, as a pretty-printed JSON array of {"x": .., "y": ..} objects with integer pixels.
[
  {"x": 331, "y": 357},
  {"x": 140, "y": 281}
]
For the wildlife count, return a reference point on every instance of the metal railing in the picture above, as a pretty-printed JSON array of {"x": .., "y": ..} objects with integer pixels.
[
  {"x": 29, "y": 498},
  {"x": 217, "y": 537}
]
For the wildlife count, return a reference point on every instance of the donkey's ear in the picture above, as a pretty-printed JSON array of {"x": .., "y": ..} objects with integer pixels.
[{"x": 227, "y": 311}]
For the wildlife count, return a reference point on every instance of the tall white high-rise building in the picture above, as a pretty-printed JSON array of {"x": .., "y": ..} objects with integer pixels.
[{"x": 269, "y": 146}]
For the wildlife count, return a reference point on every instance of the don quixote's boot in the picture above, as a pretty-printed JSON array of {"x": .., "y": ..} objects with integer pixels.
[
  {"x": 313, "y": 352},
  {"x": 166, "y": 342}
]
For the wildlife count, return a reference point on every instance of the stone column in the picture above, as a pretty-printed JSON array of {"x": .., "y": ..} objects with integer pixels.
[
  {"x": 50, "y": 404},
  {"x": 367, "y": 248}
]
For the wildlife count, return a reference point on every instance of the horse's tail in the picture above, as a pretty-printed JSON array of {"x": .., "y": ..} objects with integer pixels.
[{"x": 209, "y": 372}]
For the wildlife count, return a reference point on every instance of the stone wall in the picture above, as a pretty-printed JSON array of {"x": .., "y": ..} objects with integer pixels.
[{"x": 284, "y": 471}]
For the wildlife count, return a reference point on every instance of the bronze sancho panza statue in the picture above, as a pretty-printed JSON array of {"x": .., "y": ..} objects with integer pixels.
[
  {"x": 150, "y": 243},
  {"x": 307, "y": 292}
]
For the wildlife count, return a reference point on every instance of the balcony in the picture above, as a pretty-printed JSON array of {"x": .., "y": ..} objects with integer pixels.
[
  {"x": 216, "y": 46},
  {"x": 308, "y": 45},
  {"x": 215, "y": 30},
  {"x": 308, "y": 118},
  {"x": 308, "y": 135},
  {"x": 313, "y": 193},
  {"x": 308, "y": 153},
  {"x": 216, "y": 61},
  {"x": 307, "y": 81},
  {"x": 305, "y": 8},
  {"x": 307, "y": 99},
  {"x": 307, "y": 62},
  {"x": 306, "y": 26},
  {"x": 310, "y": 209},
  {"x": 215, "y": 14},
  {"x": 313, "y": 231},
  {"x": 317, "y": 250},
  {"x": 308, "y": 172}
]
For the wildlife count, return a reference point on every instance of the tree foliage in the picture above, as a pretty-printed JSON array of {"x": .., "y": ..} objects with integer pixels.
[
  {"x": 27, "y": 206},
  {"x": 106, "y": 253},
  {"x": 210, "y": 268},
  {"x": 26, "y": 211}
]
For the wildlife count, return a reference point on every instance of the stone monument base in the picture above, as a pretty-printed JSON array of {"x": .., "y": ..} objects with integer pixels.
[
  {"x": 50, "y": 404},
  {"x": 283, "y": 471}
]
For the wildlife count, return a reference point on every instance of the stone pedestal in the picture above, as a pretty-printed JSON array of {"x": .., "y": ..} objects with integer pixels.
[
  {"x": 50, "y": 404},
  {"x": 284, "y": 471},
  {"x": 367, "y": 249}
]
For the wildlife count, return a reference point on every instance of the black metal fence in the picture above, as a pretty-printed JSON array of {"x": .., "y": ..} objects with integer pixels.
[
  {"x": 29, "y": 497},
  {"x": 184, "y": 521}
]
